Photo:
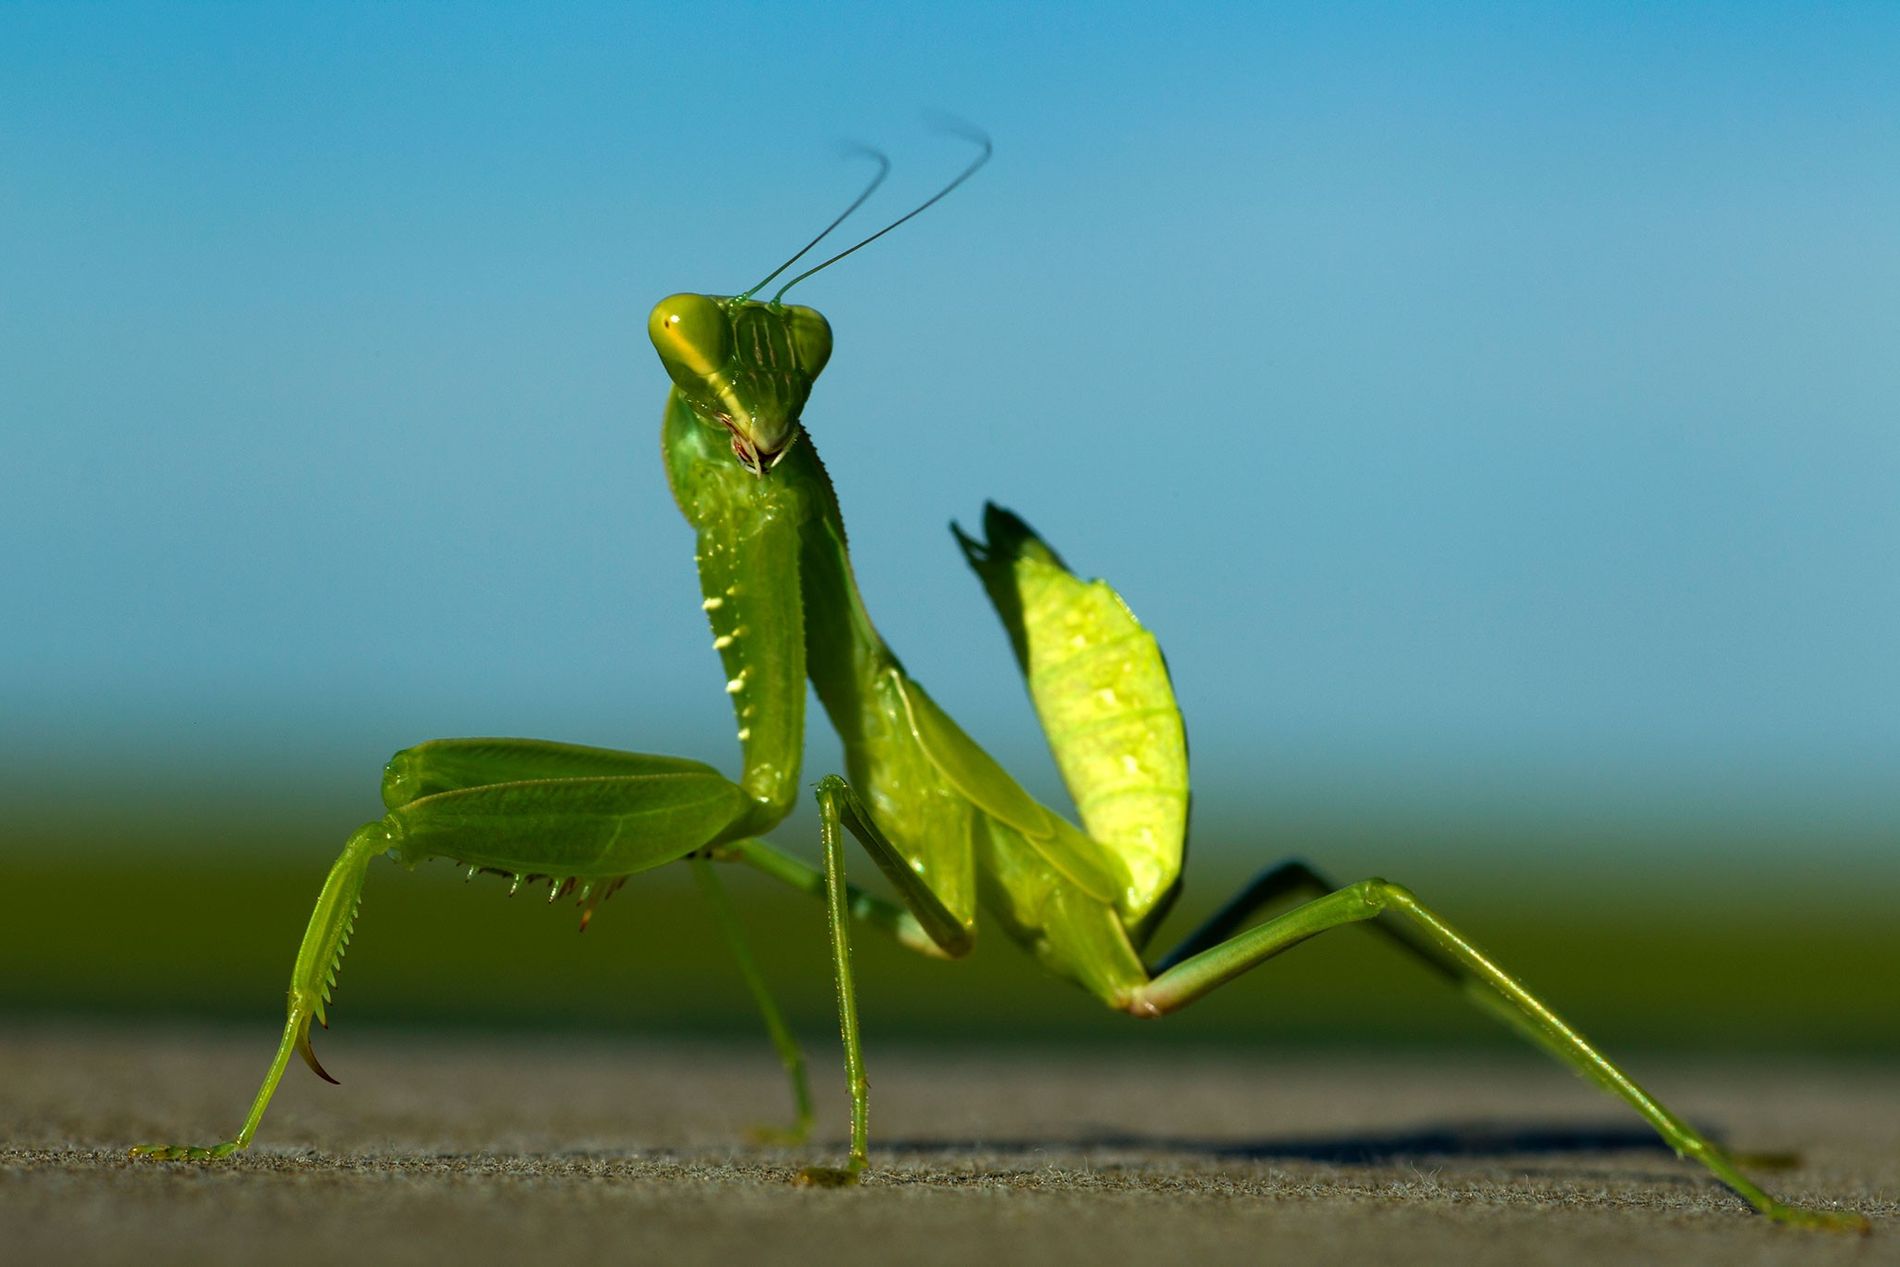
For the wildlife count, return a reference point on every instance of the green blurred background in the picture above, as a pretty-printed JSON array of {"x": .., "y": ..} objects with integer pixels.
[{"x": 1658, "y": 943}]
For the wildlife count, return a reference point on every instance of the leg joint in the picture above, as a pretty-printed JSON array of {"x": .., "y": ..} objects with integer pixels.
[
  {"x": 832, "y": 791},
  {"x": 1138, "y": 1005},
  {"x": 1370, "y": 897},
  {"x": 1395, "y": 895},
  {"x": 381, "y": 836}
]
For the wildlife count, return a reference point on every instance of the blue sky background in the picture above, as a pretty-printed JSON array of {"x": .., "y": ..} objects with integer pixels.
[{"x": 1494, "y": 410}]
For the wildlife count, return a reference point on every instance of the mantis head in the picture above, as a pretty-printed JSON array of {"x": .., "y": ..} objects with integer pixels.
[
  {"x": 748, "y": 366},
  {"x": 743, "y": 365}
]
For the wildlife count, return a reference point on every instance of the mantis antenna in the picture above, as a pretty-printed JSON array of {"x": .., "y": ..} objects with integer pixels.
[
  {"x": 883, "y": 170},
  {"x": 970, "y": 133}
]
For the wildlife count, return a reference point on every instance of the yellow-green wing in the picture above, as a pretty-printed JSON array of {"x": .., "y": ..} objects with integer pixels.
[{"x": 1102, "y": 691}]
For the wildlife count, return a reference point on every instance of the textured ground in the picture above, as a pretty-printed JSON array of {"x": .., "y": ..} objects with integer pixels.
[{"x": 482, "y": 1150}]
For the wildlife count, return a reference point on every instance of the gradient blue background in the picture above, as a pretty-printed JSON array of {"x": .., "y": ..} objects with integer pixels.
[{"x": 1493, "y": 409}]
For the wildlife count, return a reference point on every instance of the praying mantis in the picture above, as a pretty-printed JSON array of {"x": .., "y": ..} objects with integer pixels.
[{"x": 948, "y": 827}]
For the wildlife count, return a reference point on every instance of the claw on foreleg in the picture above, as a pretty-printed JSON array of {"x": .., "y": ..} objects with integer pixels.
[{"x": 309, "y": 1054}]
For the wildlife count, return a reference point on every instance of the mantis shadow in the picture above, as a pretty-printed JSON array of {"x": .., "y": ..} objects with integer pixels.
[{"x": 1450, "y": 1139}]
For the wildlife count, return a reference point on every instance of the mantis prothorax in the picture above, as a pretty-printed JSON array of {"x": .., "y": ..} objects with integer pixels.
[{"x": 949, "y": 828}]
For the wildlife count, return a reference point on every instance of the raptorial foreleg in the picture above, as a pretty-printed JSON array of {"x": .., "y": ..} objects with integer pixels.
[{"x": 593, "y": 830}]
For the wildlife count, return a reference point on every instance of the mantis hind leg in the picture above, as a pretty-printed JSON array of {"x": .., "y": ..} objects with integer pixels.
[
  {"x": 1204, "y": 970},
  {"x": 1269, "y": 887},
  {"x": 1295, "y": 879}
]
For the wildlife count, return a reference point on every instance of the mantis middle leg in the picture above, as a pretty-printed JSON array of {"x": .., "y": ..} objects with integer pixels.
[
  {"x": 776, "y": 1029},
  {"x": 840, "y": 810}
]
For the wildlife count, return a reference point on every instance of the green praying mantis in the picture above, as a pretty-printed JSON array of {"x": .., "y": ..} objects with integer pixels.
[{"x": 947, "y": 826}]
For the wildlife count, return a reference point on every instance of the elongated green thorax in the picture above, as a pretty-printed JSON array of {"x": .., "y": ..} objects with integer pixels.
[
  {"x": 747, "y": 551},
  {"x": 745, "y": 365}
]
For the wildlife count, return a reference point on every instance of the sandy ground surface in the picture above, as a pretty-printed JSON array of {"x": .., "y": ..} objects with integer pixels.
[{"x": 473, "y": 1149}]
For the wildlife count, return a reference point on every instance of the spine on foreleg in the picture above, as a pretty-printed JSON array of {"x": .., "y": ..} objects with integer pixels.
[{"x": 313, "y": 980}]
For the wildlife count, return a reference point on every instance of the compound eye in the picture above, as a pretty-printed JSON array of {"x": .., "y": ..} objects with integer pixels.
[
  {"x": 691, "y": 330},
  {"x": 811, "y": 336}
]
